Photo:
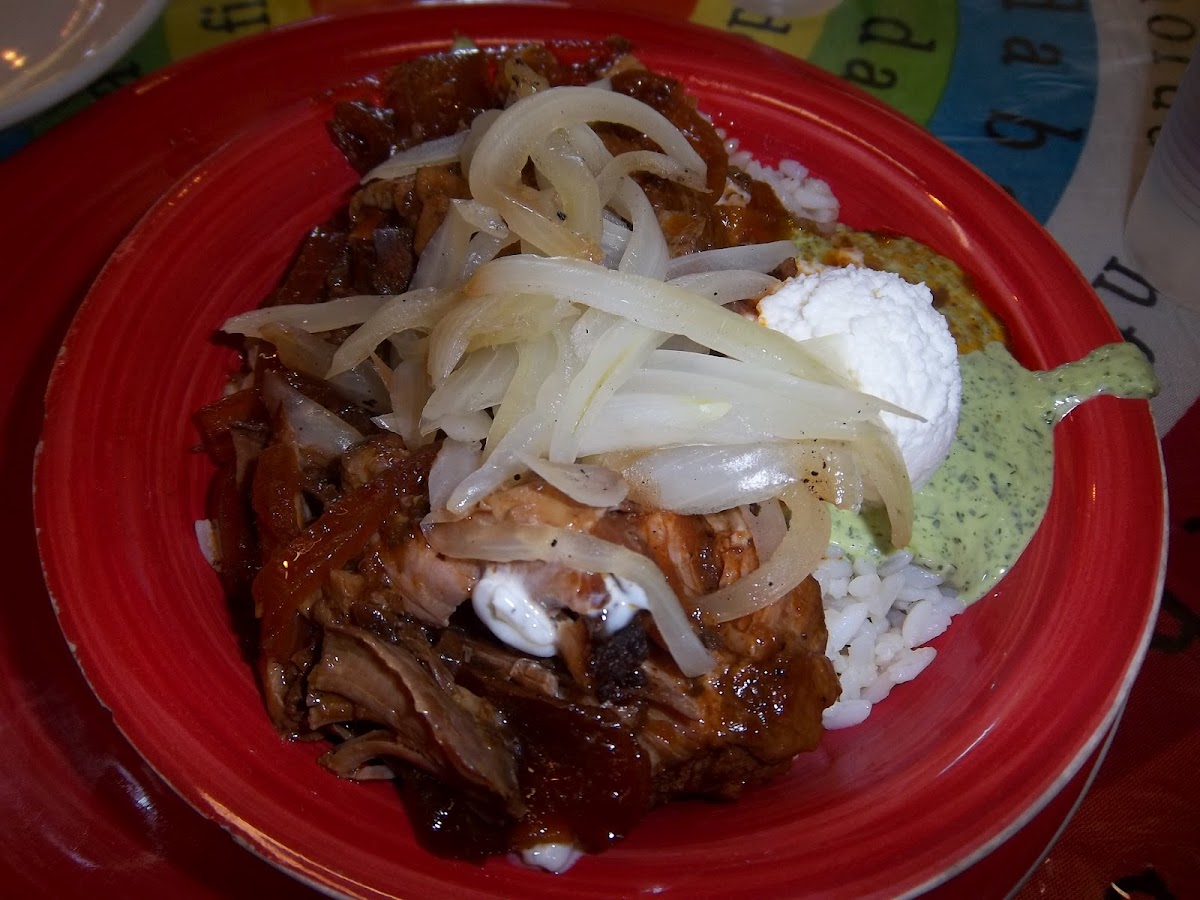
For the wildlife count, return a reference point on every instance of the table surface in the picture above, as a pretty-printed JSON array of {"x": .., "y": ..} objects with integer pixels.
[{"x": 1057, "y": 100}]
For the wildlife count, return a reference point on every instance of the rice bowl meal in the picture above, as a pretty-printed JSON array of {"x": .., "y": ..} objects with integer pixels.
[
  {"x": 292, "y": 723},
  {"x": 580, "y": 462}
]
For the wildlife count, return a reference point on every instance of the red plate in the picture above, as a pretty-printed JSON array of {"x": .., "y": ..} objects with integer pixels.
[{"x": 1026, "y": 683}]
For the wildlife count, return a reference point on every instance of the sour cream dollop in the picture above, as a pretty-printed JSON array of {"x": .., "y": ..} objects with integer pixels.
[
  {"x": 890, "y": 342},
  {"x": 504, "y": 603}
]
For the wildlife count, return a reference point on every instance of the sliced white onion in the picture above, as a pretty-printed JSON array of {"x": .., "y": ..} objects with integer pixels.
[
  {"x": 757, "y": 257},
  {"x": 608, "y": 362},
  {"x": 313, "y": 317},
  {"x": 413, "y": 309},
  {"x": 704, "y": 479},
  {"x": 470, "y": 426},
  {"x": 701, "y": 479},
  {"x": 793, "y": 560},
  {"x": 501, "y": 465},
  {"x": 529, "y": 435},
  {"x": 514, "y": 136},
  {"x": 490, "y": 320},
  {"x": 646, "y": 252},
  {"x": 484, "y": 218},
  {"x": 311, "y": 355},
  {"x": 299, "y": 350},
  {"x": 443, "y": 262},
  {"x": 537, "y": 361},
  {"x": 644, "y": 161},
  {"x": 479, "y": 383},
  {"x": 761, "y": 379},
  {"x": 550, "y": 365},
  {"x": 408, "y": 388},
  {"x": 436, "y": 152},
  {"x": 767, "y": 526},
  {"x": 479, "y": 127},
  {"x": 533, "y": 217},
  {"x": 584, "y": 483},
  {"x": 883, "y": 469},
  {"x": 585, "y": 553},
  {"x": 564, "y": 107},
  {"x": 614, "y": 238},
  {"x": 484, "y": 247},
  {"x": 589, "y": 145},
  {"x": 653, "y": 304},
  {"x": 727, "y": 286},
  {"x": 587, "y": 331},
  {"x": 637, "y": 421},
  {"x": 314, "y": 426},
  {"x": 406, "y": 344},
  {"x": 455, "y": 460},
  {"x": 491, "y": 237},
  {"x": 572, "y": 180},
  {"x": 793, "y": 415}
]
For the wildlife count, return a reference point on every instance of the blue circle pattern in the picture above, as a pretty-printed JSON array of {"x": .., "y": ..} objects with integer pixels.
[{"x": 1021, "y": 93}]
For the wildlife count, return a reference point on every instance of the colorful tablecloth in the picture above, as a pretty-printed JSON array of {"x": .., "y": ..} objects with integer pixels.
[{"x": 1059, "y": 101}]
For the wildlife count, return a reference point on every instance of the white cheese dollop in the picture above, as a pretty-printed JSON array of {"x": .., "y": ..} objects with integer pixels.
[
  {"x": 891, "y": 343},
  {"x": 625, "y": 599},
  {"x": 504, "y": 603}
]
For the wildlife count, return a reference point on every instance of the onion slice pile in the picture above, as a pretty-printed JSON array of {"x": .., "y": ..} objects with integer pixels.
[{"x": 553, "y": 360}]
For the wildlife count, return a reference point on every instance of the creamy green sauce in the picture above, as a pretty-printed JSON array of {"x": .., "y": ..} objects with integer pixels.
[{"x": 981, "y": 508}]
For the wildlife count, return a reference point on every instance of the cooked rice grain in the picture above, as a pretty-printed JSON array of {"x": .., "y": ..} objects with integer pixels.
[
  {"x": 804, "y": 196},
  {"x": 880, "y": 614}
]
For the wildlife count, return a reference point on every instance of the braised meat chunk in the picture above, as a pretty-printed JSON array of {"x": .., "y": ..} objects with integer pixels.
[{"x": 368, "y": 636}]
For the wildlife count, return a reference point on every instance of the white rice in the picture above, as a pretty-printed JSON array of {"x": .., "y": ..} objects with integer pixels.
[
  {"x": 802, "y": 195},
  {"x": 880, "y": 614}
]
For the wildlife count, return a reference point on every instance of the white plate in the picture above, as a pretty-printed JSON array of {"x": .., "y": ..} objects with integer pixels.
[{"x": 51, "y": 48}]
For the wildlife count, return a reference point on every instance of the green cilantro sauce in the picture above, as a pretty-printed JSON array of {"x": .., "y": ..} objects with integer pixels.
[{"x": 981, "y": 508}]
